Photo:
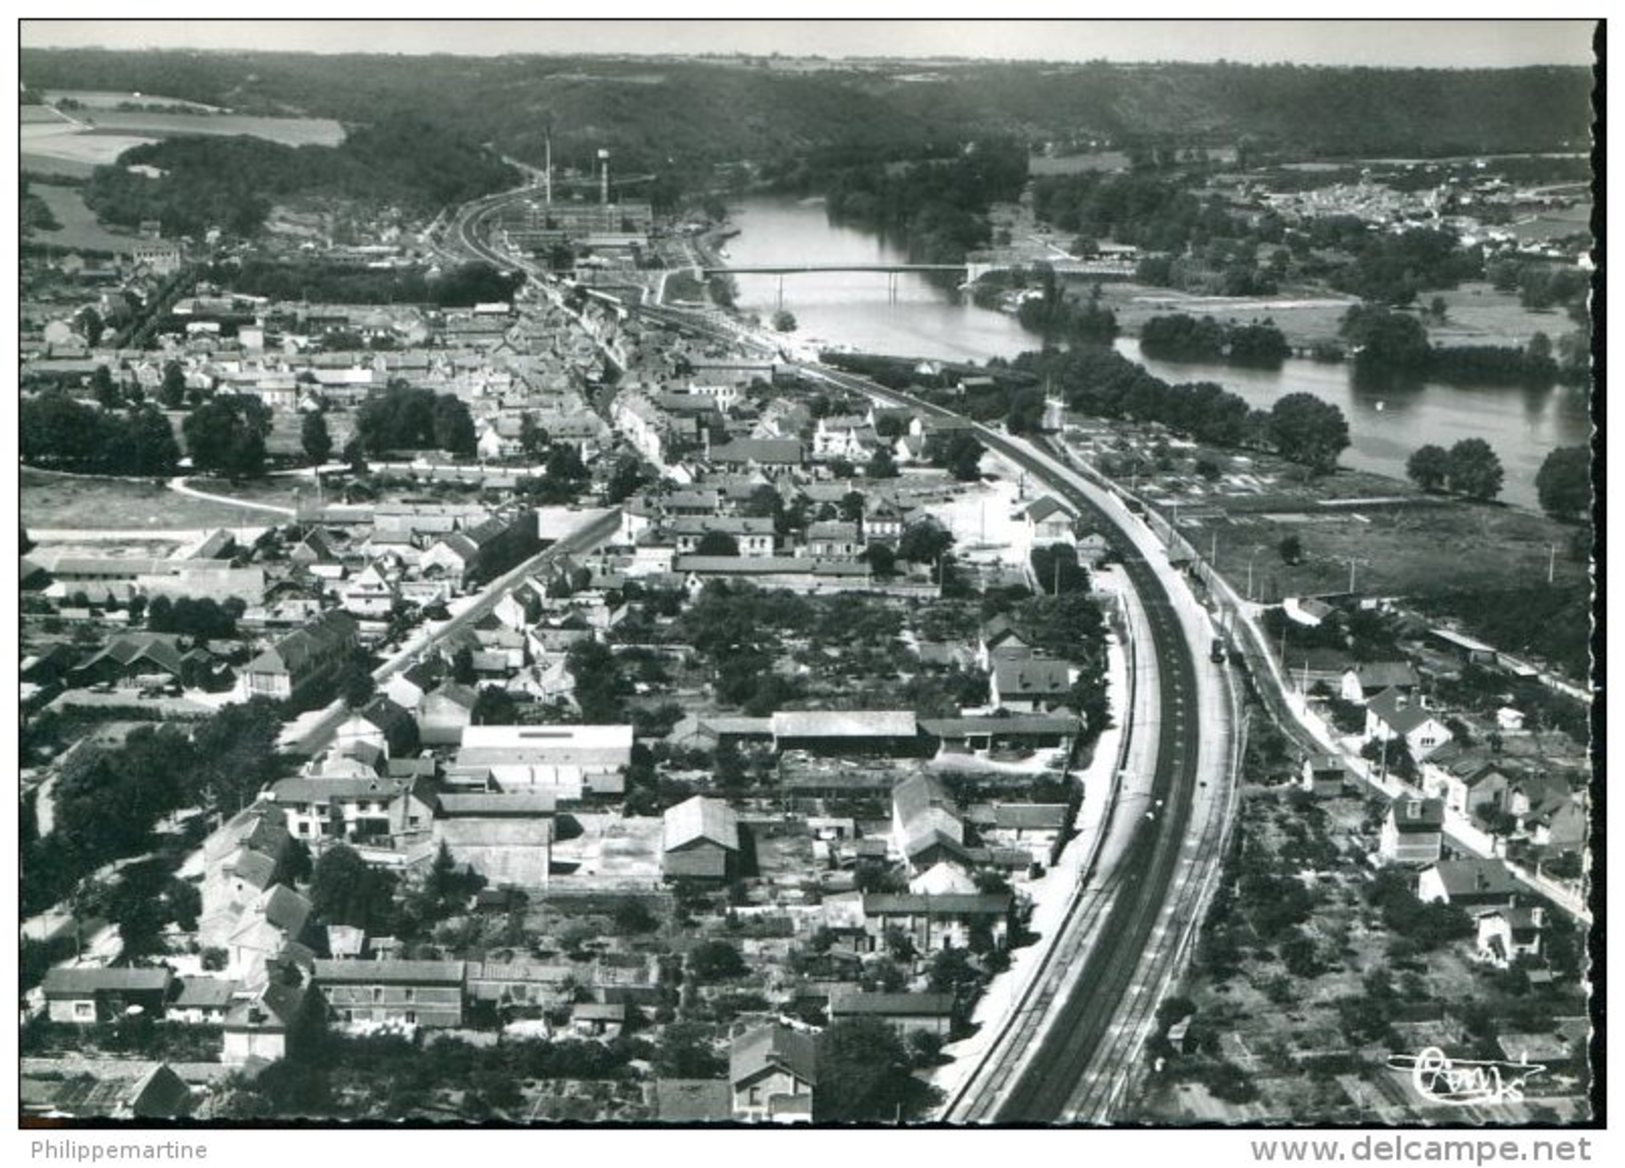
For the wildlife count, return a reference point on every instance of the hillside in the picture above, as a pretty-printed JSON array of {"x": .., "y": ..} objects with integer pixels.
[{"x": 658, "y": 114}]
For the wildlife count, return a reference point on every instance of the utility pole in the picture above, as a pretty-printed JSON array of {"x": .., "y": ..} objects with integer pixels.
[{"x": 1551, "y": 563}]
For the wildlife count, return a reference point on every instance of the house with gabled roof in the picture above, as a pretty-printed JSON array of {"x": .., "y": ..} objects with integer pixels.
[
  {"x": 1469, "y": 884},
  {"x": 1048, "y": 521},
  {"x": 266, "y": 1024},
  {"x": 264, "y": 930},
  {"x": 999, "y": 636},
  {"x": 906, "y": 1013},
  {"x": 1031, "y": 685},
  {"x": 772, "y": 1072},
  {"x": 244, "y": 857},
  {"x": 87, "y": 995},
  {"x": 926, "y": 824},
  {"x": 1364, "y": 680},
  {"x": 399, "y": 993},
  {"x": 1392, "y": 715},
  {"x": 1506, "y": 934},
  {"x": 302, "y": 660},
  {"x": 1413, "y": 831},
  {"x": 700, "y": 840}
]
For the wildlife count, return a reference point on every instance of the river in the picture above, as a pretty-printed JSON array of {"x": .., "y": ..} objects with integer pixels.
[{"x": 857, "y": 309}]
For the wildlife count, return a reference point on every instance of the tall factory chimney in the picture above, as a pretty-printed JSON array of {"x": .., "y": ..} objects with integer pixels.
[
  {"x": 547, "y": 172},
  {"x": 603, "y": 180}
]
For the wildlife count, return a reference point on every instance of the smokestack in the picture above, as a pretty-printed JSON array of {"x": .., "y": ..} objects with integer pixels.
[
  {"x": 547, "y": 173},
  {"x": 603, "y": 179}
]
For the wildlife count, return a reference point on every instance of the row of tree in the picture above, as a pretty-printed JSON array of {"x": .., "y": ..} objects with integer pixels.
[
  {"x": 1181, "y": 337},
  {"x": 404, "y": 417},
  {"x": 1299, "y": 426},
  {"x": 1469, "y": 468},
  {"x": 56, "y": 431},
  {"x": 1396, "y": 343}
]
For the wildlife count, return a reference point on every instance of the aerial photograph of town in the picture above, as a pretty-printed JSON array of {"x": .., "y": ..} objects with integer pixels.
[{"x": 808, "y": 573}]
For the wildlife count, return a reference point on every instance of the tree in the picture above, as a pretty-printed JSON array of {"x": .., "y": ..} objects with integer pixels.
[
  {"x": 172, "y": 392},
  {"x": 346, "y": 890},
  {"x": 784, "y": 321},
  {"x": 314, "y": 438},
  {"x": 1291, "y": 549},
  {"x": 881, "y": 465},
  {"x": 356, "y": 685},
  {"x": 494, "y": 706},
  {"x": 91, "y": 325},
  {"x": 462, "y": 666},
  {"x": 453, "y": 425},
  {"x": 101, "y": 384},
  {"x": 961, "y": 453},
  {"x": 1429, "y": 467},
  {"x": 1307, "y": 430},
  {"x": 355, "y": 454},
  {"x": 717, "y": 543},
  {"x": 712, "y": 961},
  {"x": 227, "y": 436},
  {"x": 1056, "y": 568},
  {"x": 149, "y": 444},
  {"x": 1475, "y": 470},
  {"x": 882, "y": 560},
  {"x": 865, "y": 1074},
  {"x": 1564, "y": 482},
  {"x": 924, "y": 542},
  {"x": 533, "y": 440}
]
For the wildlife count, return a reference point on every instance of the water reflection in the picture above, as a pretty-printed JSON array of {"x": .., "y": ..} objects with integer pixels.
[{"x": 1389, "y": 417}]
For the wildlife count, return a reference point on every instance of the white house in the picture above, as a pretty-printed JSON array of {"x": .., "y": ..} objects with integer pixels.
[{"x": 1392, "y": 715}]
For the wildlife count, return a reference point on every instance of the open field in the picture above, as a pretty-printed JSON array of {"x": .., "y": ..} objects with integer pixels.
[
  {"x": 107, "y": 99},
  {"x": 1306, "y": 315},
  {"x": 1553, "y": 224},
  {"x": 65, "y": 501},
  {"x": 1417, "y": 545},
  {"x": 288, "y": 131},
  {"x": 278, "y": 491},
  {"x": 1475, "y": 313},
  {"x": 79, "y": 225}
]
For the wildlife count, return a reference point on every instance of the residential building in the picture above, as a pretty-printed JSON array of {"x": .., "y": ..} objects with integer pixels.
[
  {"x": 88, "y": 995},
  {"x": 1469, "y": 884},
  {"x": 444, "y": 713},
  {"x": 399, "y": 993},
  {"x": 1047, "y": 521},
  {"x": 754, "y": 537},
  {"x": 1324, "y": 775},
  {"x": 1392, "y": 715},
  {"x": 931, "y": 922},
  {"x": 1364, "y": 680},
  {"x": 1413, "y": 832},
  {"x": 907, "y": 1013},
  {"x": 202, "y": 1000},
  {"x": 1506, "y": 934},
  {"x": 773, "y": 1072},
  {"x": 833, "y": 539},
  {"x": 366, "y": 809},
  {"x": 265, "y": 1025},
  {"x": 303, "y": 660},
  {"x": 926, "y": 825},
  {"x": 1032, "y": 685}
]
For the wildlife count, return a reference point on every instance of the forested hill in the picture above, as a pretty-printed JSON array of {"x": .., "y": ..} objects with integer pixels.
[
  {"x": 231, "y": 182},
  {"x": 657, "y": 112}
]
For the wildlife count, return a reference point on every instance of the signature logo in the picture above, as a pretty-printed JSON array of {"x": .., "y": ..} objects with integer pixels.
[{"x": 1465, "y": 1082}]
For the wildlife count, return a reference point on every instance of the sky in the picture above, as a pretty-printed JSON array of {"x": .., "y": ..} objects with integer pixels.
[{"x": 1442, "y": 44}]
